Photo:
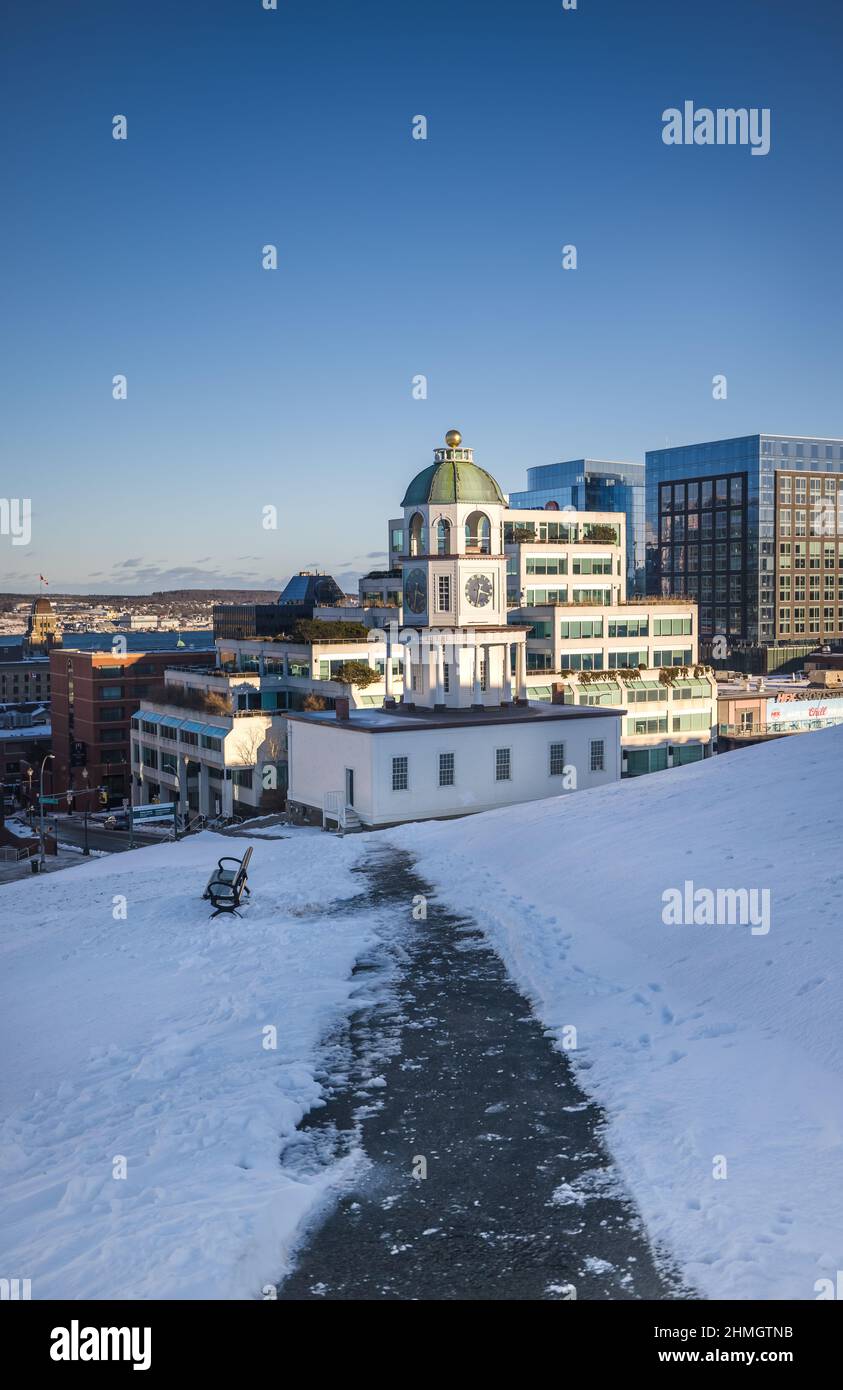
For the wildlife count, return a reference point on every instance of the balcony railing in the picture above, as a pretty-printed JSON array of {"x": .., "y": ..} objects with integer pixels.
[
  {"x": 193, "y": 670},
  {"x": 675, "y": 602},
  {"x": 571, "y": 540}
]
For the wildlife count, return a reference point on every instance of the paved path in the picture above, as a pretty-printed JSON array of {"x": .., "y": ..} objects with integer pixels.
[{"x": 520, "y": 1200}]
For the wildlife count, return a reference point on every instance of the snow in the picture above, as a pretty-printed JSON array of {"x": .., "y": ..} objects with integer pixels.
[
  {"x": 143, "y": 1039},
  {"x": 710, "y": 1048},
  {"x": 702, "y": 1043}
]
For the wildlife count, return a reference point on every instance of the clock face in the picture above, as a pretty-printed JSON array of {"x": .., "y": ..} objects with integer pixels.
[
  {"x": 415, "y": 591},
  {"x": 479, "y": 590}
]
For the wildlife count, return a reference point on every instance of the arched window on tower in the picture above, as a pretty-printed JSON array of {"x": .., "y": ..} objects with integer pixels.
[
  {"x": 478, "y": 534},
  {"x": 418, "y": 538},
  {"x": 443, "y": 537}
]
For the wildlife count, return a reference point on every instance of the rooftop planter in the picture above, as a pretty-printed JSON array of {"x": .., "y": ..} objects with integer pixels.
[
  {"x": 205, "y": 701},
  {"x": 307, "y": 631}
]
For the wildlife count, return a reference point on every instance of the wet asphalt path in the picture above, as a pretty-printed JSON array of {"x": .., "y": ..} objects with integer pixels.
[{"x": 520, "y": 1199}]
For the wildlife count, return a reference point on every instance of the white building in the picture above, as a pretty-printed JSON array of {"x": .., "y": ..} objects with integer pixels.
[
  {"x": 464, "y": 736},
  {"x": 377, "y": 768},
  {"x": 216, "y": 740},
  {"x": 590, "y": 645}
]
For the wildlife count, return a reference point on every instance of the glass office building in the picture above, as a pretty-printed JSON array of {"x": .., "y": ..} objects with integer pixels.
[
  {"x": 752, "y": 529},
  {"x": 592, "y": 486}
]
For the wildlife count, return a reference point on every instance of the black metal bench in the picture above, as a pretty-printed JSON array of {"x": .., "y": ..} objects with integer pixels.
[{"x": 226, "y": 887}]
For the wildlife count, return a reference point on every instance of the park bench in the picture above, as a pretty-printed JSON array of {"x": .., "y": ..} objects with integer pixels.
[{"x": 226, "y": 887}]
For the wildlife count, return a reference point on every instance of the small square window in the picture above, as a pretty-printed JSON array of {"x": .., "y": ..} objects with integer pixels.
[{"x": 557, "y": 759}]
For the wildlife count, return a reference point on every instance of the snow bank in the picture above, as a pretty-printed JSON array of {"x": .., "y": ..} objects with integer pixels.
[
  {"x": 705, "y": 1044},
  {"x": 143, "y": 1038}
]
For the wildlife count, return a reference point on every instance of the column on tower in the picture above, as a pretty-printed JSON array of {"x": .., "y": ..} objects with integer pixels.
[
  {"x": 506, "y": 688},
  {"x": 387, "y": 669},
  {"x": 521, "y": 671},
  {"x": 477, "y": 696},
  {"x": 437, "y": 683}
]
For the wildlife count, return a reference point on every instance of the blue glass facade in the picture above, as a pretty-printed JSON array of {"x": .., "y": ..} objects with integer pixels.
[
  {"x": 714, "y": 516},
  {"x": 592, "y": 486}
]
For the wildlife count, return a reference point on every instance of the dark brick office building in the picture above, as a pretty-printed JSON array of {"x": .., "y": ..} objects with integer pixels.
[{"x": 94, "y": 695}]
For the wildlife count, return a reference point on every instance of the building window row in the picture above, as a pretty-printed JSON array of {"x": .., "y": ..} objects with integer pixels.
[
  {"x": 702, "y": 493},
  {"x": 503, "y": 765},
  {"x": 628, "y": 627},
  {"x": 678, "y": 656},
  {"x": 548, "y": 564},
  {"x": 656, "y": 725},
  {"x": 580, "y": 628}
]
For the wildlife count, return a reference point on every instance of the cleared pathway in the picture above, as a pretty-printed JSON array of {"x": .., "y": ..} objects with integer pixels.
[{"x": 520, "y": 1199}]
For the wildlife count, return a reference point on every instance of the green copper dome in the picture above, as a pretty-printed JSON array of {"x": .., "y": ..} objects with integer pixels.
[{"x": 453, "y": 481}]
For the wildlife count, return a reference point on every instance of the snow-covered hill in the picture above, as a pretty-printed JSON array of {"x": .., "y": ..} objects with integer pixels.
[
  {"x": 144, "y": 1039},
  {"x": 714, "y": 1049}
]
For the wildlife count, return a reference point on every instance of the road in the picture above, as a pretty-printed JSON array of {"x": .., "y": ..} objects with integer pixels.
[
  {"x": 71, "y": 830},
  {"x": 486, "y": 1176}
]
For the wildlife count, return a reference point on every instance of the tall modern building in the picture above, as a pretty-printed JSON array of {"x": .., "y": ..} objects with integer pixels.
[
  {"x": 751, "y": 528},
  {"x": 591, "y": 486}
]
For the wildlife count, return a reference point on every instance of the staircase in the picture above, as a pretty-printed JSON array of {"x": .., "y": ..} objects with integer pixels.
[{"x": 335, "y": 808}]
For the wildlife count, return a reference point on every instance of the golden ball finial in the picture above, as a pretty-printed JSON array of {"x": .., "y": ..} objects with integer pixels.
[{"x": 453, "y": 439}]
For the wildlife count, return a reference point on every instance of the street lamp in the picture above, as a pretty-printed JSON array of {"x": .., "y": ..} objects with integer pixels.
[
  {"x": 183, "y": 797},
  {"x": 49, "y": 757},
  {"x": 85, "y": 775}
]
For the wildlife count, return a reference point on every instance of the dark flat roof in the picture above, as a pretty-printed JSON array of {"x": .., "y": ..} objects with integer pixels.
[{"x": 380, "y": 721}]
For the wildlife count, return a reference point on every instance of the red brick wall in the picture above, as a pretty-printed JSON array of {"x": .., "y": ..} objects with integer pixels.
[{"x": 139, "y": 675}]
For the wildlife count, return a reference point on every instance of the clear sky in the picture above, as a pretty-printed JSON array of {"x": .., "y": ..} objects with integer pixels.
[{"x": 396, "y": 257}]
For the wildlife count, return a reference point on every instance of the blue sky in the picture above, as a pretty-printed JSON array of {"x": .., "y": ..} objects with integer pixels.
[{"x": 397, "y": 257}]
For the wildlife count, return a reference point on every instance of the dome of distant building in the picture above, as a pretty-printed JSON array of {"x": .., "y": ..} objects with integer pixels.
[
  {"x": 306, "y": 589},
  {"x": 453, "y": 479}
]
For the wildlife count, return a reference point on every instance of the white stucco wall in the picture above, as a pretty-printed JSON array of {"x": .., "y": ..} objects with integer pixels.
[{"x": 320, "y": 751}]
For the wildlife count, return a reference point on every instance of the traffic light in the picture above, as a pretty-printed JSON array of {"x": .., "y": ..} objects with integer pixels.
[
  {"x": 103, "y": 797},
  {"x": 70, "y": 801}
]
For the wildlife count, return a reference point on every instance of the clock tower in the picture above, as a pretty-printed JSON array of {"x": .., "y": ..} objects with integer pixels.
[
  {"x": 454, "y": 565},
  {"x": 454, "y": 587}
]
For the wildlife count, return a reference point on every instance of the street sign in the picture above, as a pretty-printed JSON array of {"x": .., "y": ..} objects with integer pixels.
[
  {"x": 49, "y": 801},
  {"x": 166, "y": 808}
]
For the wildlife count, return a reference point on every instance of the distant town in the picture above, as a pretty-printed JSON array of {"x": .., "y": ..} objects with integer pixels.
[{"x": 168, "y": 611}]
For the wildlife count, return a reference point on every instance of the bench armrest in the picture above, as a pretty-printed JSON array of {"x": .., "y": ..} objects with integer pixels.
[{"x": 228, "y": 859}]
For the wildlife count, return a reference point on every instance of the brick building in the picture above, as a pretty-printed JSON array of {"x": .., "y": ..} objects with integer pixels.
[
  {"x": 94, "y": 695},
  {"x": 23, "y": 745},
  {"x": 23, "y": 677}
]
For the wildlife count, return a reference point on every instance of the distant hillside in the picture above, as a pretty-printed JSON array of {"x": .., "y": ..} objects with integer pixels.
[{"x": 159, "y": 596}]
